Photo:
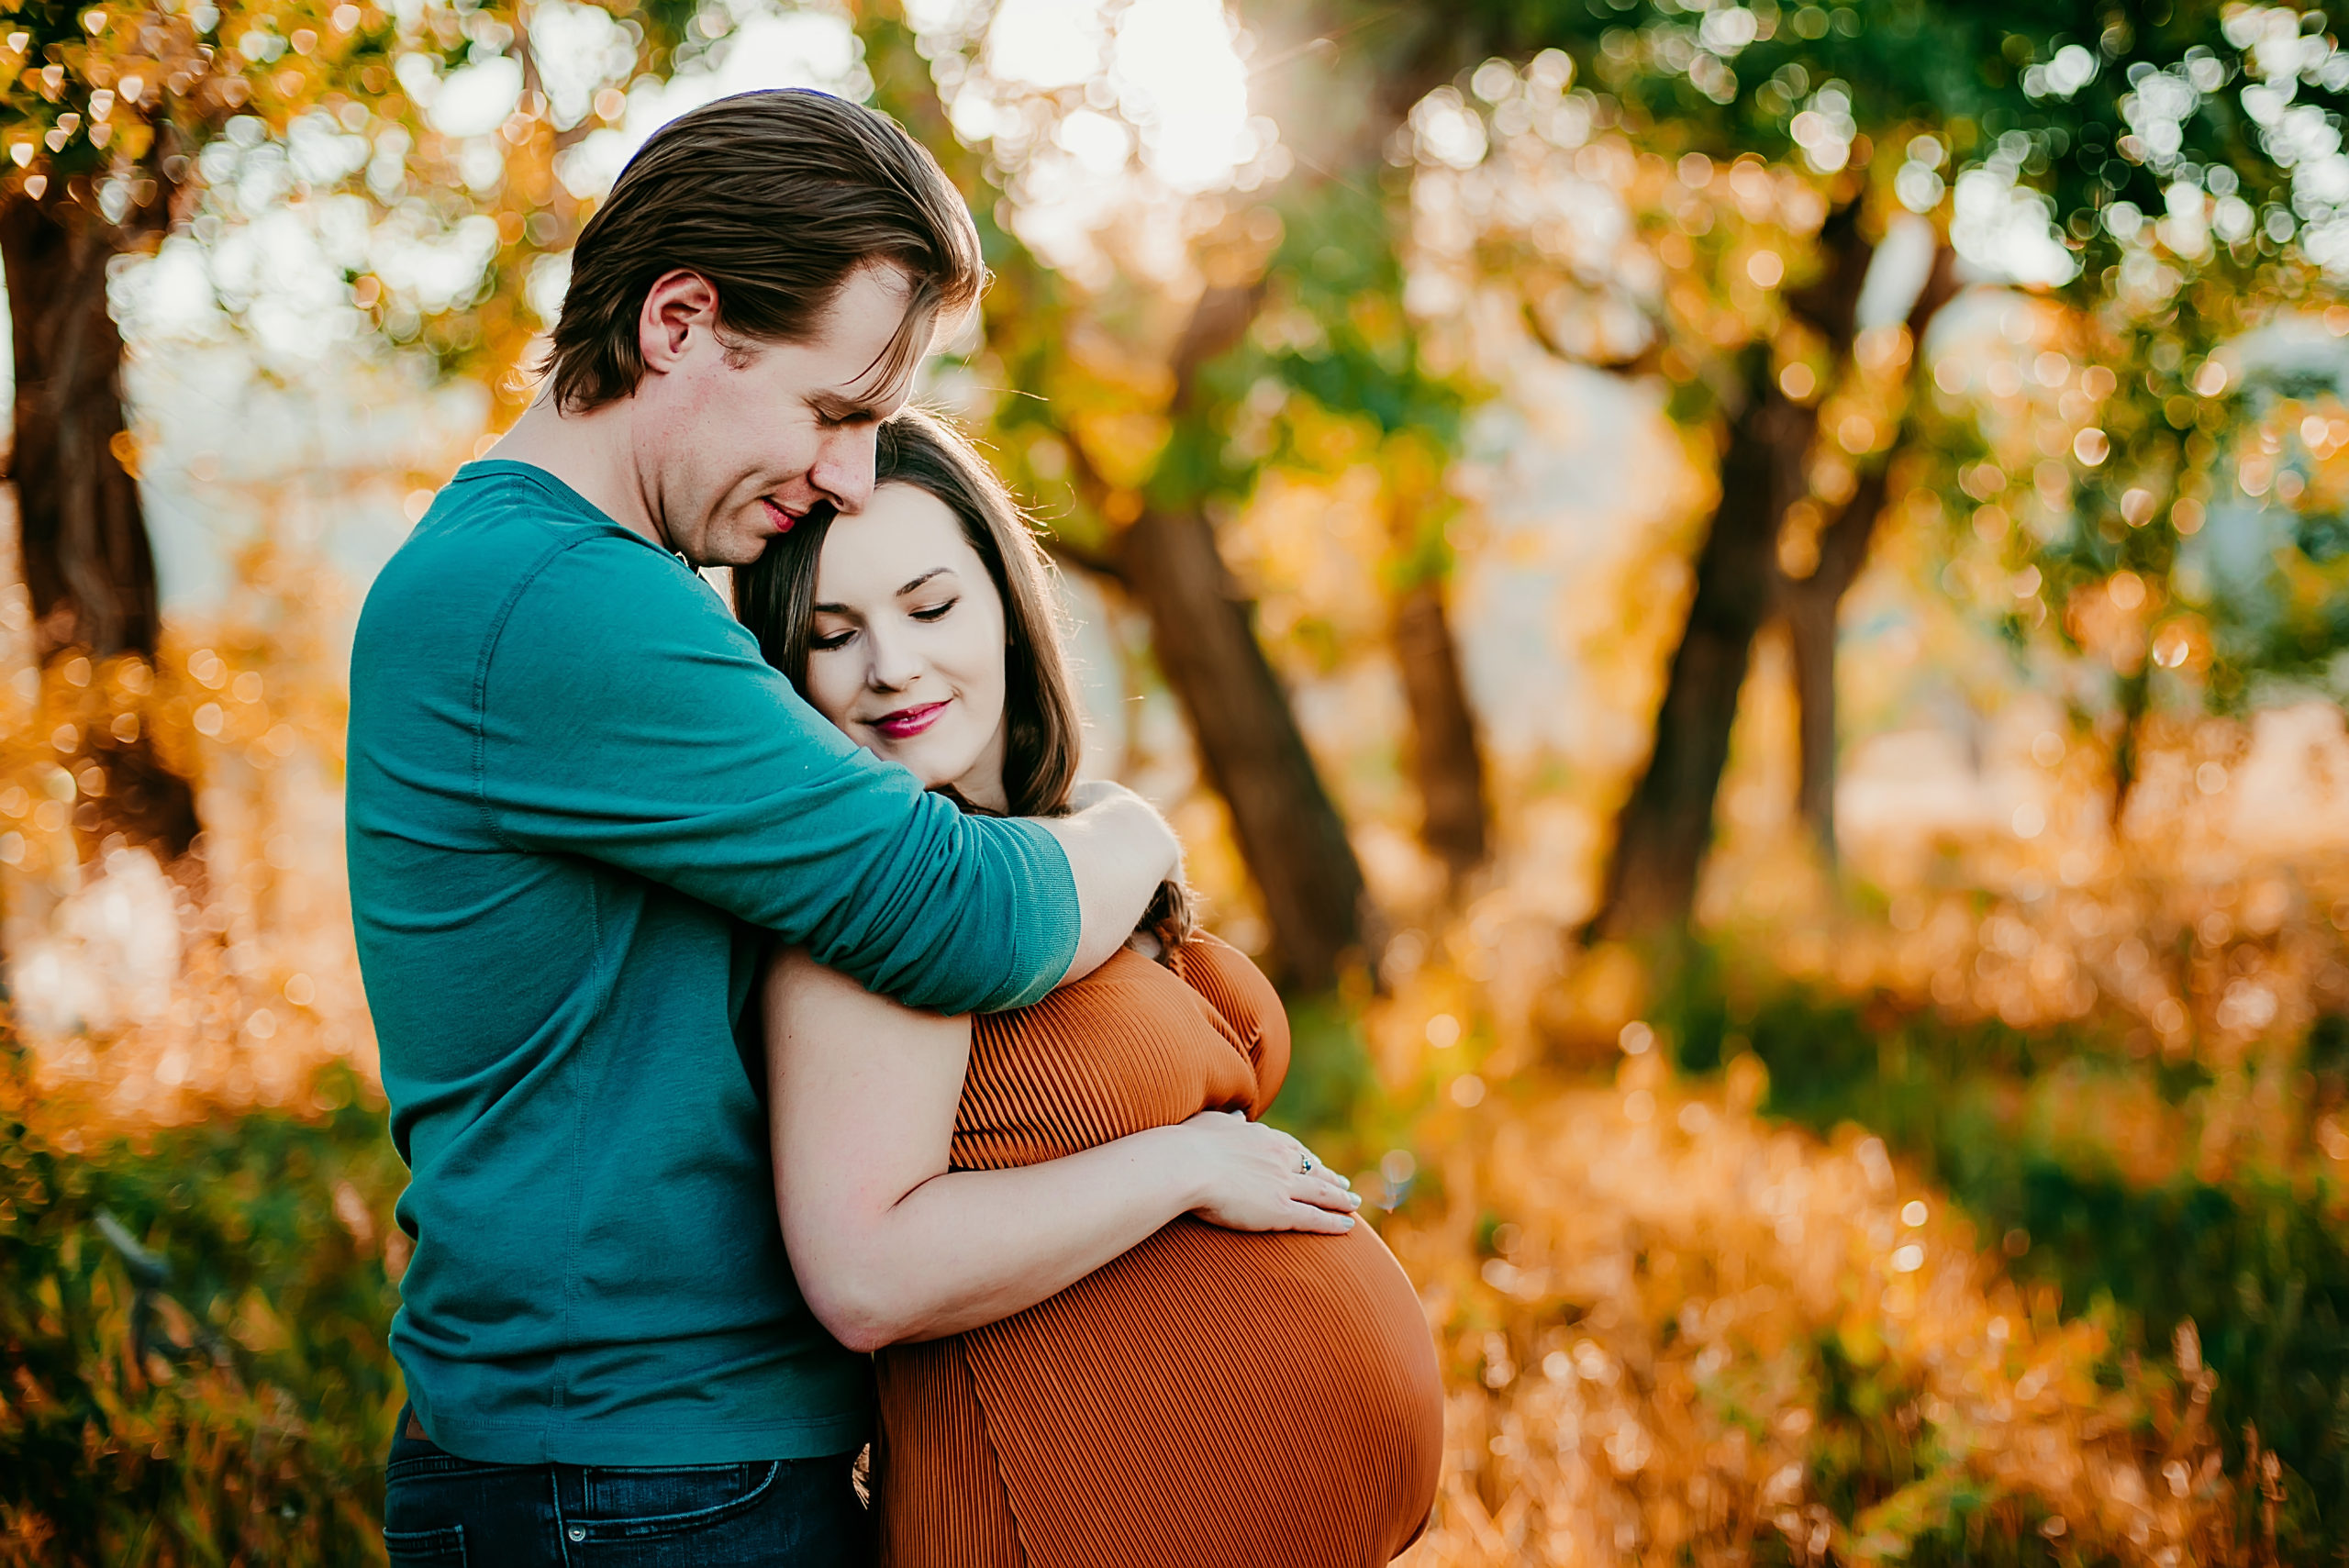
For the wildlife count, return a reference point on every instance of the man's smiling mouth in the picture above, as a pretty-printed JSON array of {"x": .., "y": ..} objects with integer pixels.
[{"x": 784, "y": 519}]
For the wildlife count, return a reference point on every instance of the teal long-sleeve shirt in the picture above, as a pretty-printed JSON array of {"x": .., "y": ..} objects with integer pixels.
[{"x": 580, "y": 806}]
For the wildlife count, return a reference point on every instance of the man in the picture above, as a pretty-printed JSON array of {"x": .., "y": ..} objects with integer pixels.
[{"x": 581, "y": 807}]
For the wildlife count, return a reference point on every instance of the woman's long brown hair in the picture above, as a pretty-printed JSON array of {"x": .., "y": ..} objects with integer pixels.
[{"x": 775, "y": 598}]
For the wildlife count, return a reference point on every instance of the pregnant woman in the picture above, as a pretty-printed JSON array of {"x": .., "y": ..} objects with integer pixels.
[{"x": 1074, "y": 1367}]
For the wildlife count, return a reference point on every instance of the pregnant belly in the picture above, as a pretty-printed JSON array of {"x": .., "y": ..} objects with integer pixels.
[{"x": 1210, "y": 1397}]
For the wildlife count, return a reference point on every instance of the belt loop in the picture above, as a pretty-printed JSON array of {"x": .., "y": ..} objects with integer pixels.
[{"x": 567, "y": 1534}]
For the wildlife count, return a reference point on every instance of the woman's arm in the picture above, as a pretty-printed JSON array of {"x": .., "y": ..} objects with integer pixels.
[{"x": 889, "y": 1245}]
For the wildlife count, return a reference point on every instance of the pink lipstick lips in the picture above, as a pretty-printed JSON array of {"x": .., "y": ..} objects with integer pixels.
[
  {"x": 908, "y": 722},
  {"x": 784, "y": 521}
]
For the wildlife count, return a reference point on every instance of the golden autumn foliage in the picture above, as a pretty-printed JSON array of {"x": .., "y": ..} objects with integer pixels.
[{"x": 1698, "y": 1333}]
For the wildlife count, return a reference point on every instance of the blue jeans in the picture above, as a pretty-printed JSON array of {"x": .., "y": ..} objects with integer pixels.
[{"x": 441, "y": 1512}]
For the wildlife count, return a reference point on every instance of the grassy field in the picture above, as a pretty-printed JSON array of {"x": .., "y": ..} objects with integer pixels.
[{"x": 1824, "y": 1280}]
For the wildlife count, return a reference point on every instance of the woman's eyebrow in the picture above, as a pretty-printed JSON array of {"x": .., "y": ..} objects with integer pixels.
[{"x": 826, "y": 609}]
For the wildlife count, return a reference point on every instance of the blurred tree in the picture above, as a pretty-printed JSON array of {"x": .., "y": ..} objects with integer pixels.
[
  {"x": 123, "y": 126},
  {"x": 1835, "y": 550},
  {"x": 1338, "y": 268},
  {"x": 2040, "y": 138},
  {"x": 147, "y": 126},
  {"x": 2154, "y": 491},
  {"x": 2267, "y": 590},
  {"x": 1137, "y": 524},
  {"x": 1345, "y": 345},
  {"x": 1137, "y": 414}
]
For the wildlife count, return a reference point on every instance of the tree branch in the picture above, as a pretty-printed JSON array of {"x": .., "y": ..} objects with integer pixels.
[
  {"x": 1091, "y": 561},
  {"x": 1831, "y": 305},
  {"x": 1219, "y": 319},
  {"x": 1648, "y": 360},
  {"x": 1093, "y": 491},
  {"x": 1843, "y": 543},
  {"x": 534, "y": 88}
]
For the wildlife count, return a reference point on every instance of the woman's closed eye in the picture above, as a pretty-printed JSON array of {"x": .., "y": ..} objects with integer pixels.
[{"x": 826, "y": 642}]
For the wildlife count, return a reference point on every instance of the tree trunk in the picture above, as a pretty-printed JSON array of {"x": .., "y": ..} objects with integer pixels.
[
  {"x": 1811, "y": 620},
  {"x": 1446, "y": 760},
  {"x": 1813, "y": 604},
  {"x": 2135, "y": 694},
  {"x": 87, "y": 559},
  {"x": 1250, "y": 745},
  {"x": 1813, "y": 609},
  {"x": 1667, "y": 824}
]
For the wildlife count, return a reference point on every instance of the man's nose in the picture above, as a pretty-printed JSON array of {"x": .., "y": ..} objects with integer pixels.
[{"x": 844, "y": 466}]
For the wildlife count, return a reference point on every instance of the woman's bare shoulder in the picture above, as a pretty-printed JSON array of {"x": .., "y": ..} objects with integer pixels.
[{"x": 794, "y": 982}]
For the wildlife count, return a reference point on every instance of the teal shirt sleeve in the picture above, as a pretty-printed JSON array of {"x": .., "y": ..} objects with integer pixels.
[{"x": 627, "y": 717}]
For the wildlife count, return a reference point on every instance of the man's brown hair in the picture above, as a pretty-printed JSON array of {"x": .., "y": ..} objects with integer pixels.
[{"x": 774, "y": 198}]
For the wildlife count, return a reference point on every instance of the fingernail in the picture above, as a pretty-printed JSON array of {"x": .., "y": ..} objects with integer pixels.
[{"x": 1350, "y": 1221}]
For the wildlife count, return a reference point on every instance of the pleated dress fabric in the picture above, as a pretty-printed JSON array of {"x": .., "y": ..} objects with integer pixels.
[{"x": 1211, "y": 1399}]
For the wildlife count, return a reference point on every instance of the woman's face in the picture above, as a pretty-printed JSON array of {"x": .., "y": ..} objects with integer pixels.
[{"x": 906, "y": 656}]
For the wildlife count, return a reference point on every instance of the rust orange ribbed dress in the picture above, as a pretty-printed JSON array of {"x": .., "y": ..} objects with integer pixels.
[{"x": 1211, "y": 1399}]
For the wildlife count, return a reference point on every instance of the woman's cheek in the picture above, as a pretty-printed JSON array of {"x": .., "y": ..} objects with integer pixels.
[{"x": 822, "y": 681}]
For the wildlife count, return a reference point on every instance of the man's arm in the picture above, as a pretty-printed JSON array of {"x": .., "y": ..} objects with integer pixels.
[
  {"x": 1119, "y": 849},
  {"x": 625, "y": 717}
]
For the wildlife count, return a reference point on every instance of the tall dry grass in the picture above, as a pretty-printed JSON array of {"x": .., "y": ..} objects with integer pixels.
[{"x": 1677, "y": 1331}]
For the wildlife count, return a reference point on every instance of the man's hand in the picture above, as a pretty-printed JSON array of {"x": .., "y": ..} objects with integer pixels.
[
  {"x": 1087, "y": 794},
  {"x": 1119, "y": 849}
]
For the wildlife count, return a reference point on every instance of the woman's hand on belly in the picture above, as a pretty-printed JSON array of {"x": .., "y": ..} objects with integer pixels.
[{"x": 1254, "y": 1177}]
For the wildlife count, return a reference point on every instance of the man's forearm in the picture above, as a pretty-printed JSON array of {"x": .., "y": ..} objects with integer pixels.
[{"x": 1119, "y": 850}]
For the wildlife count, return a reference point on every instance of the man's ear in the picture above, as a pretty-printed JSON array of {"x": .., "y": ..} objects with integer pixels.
[{"x": 679, "y": 306}]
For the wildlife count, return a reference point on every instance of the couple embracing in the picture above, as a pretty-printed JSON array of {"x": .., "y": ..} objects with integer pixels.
[{"x": 789, "y": 1053}]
